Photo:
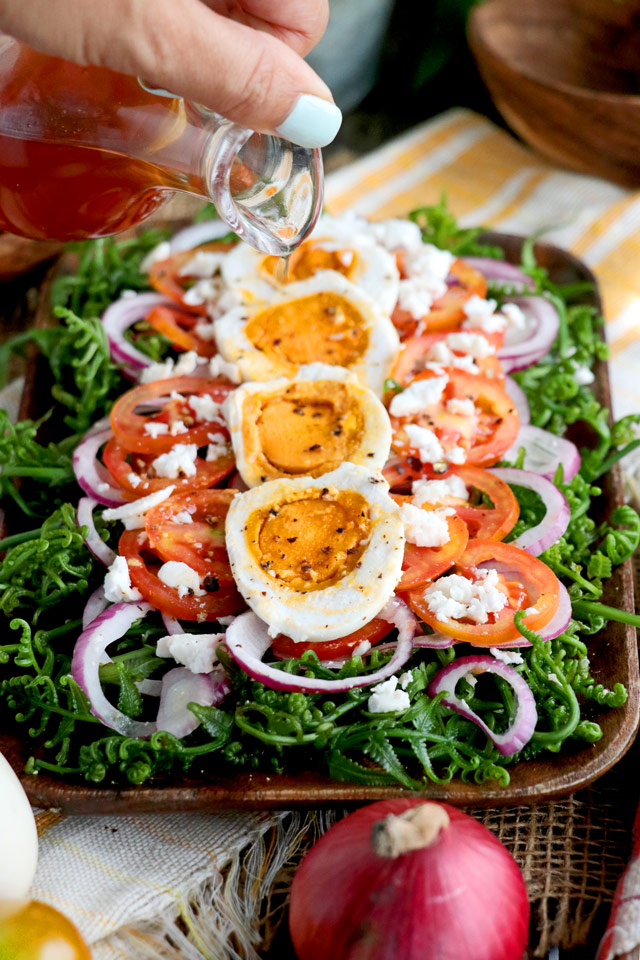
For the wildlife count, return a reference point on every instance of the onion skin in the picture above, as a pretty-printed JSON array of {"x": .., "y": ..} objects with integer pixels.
[{"x": 461, "y": 898}]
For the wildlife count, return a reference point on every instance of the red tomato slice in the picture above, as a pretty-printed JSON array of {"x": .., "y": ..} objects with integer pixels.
[
  {"x": 413, "y": 356},
  {"x": 221, "y": 602},
  {"x": 446, "y": 313},
  {"x": 166, "y": 278},
  {"x": 284, "y": 648},
  {"x": 200, "y": 543},
  {"x": 488, "y": 523},
  {"x": 175, "y": 325},
  {"x": 129, "y": 426},
  {"x": 125, "y": 467},
  {"x": 527, "y": 582},
  {"x": 421, "y": 565}
]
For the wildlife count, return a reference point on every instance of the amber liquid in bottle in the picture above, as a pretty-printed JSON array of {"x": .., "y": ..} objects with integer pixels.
[{"x": 70, "y": 149}]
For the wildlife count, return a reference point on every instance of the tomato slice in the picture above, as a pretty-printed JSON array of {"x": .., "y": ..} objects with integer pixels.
[
  {"x": 488, "y": 523},
  {"x": 526, "y": 581},
  {"x": 413, "y": 356},
  {"x": 129, "y": 426},
  {"x": 484, "y": 437},
  {"x": 446, "y": 313},
  {"x": 421, "y": 565},
  {"x": 175, "y": 325},
  {"x": 284, "y": 648},
  {"x": 223, "y": 600},
  {"x": 166, "y": 277},
  {"x": 201, "y": 542},
  {"x": 130, "y": 470}
]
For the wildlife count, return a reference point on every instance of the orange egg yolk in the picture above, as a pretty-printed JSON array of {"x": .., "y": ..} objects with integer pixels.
[
  {"x": 307, "y": 260},
  {"x": 311, "y": 542},
  {"x": 323, "y": 327},
  {"x": 308, "y": 428}
]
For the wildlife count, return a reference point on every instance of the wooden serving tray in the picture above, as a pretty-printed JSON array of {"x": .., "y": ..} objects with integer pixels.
[{"x": 614, "y": 656}]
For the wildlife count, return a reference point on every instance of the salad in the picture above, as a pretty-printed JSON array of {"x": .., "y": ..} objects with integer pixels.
[{"x": 327, "y": 518}]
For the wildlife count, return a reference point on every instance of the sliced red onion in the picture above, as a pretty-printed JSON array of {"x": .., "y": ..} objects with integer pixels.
[
  {"x": 149, "y": 688},
  {"x": 248, "y": 640},
  {"x": 96, "y": 603},
  {"x": 543, "y": 451},
  {"x": 519, "y": 398},
  {"x": 180, "y": 687},
  {"x": 93, "y": 540},
  {"x": 501, "y": 271},
  {"x": 171, "y": 625},
  {"x": 557, "y": 516},
  {"x": 521, "y": 348},
  {"x": 523, "y": 724},
  {"x": 92, "y": 476},
  {"x": 90, "y": 651},
  {"x": 557, "y": 625},
  {"x": 121, "y": 315},
  {"x": 198, "y": 233}
]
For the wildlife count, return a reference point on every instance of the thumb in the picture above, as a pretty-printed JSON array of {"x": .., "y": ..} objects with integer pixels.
[{"x": 247, "y": 75}]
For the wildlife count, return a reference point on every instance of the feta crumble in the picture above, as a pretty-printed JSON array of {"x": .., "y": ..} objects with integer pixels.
[
  {"x": 205, "y": 408},
  {"x": 583, "y": 376},
  {"x": 156, "y": 429},
  {"x": 386, "y": 698},
  {"x": 473, "y": 344},
  {"x": 196, "y": 652},
  {"x": 203, "y": 264},
  {"x": 182, "y": 578},
  {"x": 435, "y": 491},
  {"x": 443, "y": 355},
  {"x": 506, "y": 656},
  {"x": 219, "y": 446},
  {"x": 363, "y": 647},
  {"x": 201, "y": 291},
  {"x": 425, "y": 442},
  {"x": 463, "y": 408},
  {"x": 406, "y": 678},
  {"x": 132, "y": 514},
  {"x": 179, "y": 461},
  {"x": 426, "y": 528},
  {"x": 458, "y": 598},
  {"x": 117, "y": 583},
  {"x": 183, "y": 516},
  {"x": 397, "y": 234},
  {"x": 219, "y": 367},
  {"x": 418, "y": 396}
]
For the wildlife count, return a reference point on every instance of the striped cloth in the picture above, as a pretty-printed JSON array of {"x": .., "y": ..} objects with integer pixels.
[{"x": 125, "y": 880}]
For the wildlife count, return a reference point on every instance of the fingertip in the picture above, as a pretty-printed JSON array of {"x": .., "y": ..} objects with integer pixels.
[{"x": 313, "y": 122}]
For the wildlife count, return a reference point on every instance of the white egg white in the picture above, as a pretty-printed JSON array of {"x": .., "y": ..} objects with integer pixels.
[
  {"x": 375, "y": 442},
  {"x": 18, "y": 836},
  {"x": 374, "y": 269},
  {"x": 371, "y": 368},
  {"x": 340, "y": 608}
]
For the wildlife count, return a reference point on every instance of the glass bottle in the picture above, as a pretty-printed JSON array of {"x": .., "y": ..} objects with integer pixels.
[{"x": 86, "y": 152}]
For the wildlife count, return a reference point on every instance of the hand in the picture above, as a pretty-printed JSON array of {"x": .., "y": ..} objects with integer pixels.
[{"x": 241, "y": 58}]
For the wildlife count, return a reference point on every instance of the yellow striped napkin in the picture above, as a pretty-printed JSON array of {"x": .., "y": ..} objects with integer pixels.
[{"x": 124, "y": 881}]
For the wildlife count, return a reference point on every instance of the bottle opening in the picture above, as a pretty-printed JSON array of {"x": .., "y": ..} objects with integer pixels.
[{"x": 268, "y": 190}]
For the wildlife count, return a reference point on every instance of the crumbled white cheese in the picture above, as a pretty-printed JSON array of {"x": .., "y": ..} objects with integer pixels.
[
  {"x": 202, "y": 291},
  {"x": 435, "y": 491},
  {"x": 418, "y": 396},
  {"x": 155, "y": 428},
  {"x": 205, "y": 330},
  {"x": 219, "y": 446},
  {"x": 442, "y": 354},
  {"x": 426, "y": 528},
  {"x": 156, "y": 255},
  {"x": 183, "y": 516},
  {"x": 425, "y": 442},
  {"x": 186, "y": 364},
  {"x": 183, "y": 367},
  {"x": 178, "y": 427},
  {"x": 426, "y": 268},
  {"x": 117, "y": 583},
  {"x": 386, "y": 698},
  {"x": 203, "y": 264},
  {"x": 196, "y": 652},
  {"x": 397, "y": 234},
  {"x": 475, "y": 344},
  {"x": 463, "y": 408},
  {"x": 132, "y": 514},
  {"x": 515, "y": 316},
  {"x": 182, "y": 578},
  {"x": 583, "y": 376},
  {"x": 218, "y": 367},
  {"x": 414, "y": 297},
  {"x": 134, "y": 480},
  {"x": 179, "y": 461},
  {"x": 458, "y": 598},
  {"x": 205, "y": 408},
  {"x": 363, "y": 647},
  {"x": 406, "y": 678},
  {"x": 480, "y": 314},
  {"x": 456, "y": 455},
  {"x": 506, "y": 656}
]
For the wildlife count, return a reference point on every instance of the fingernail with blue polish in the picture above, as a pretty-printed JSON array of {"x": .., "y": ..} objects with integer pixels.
[{"x": 312, "y": 123}]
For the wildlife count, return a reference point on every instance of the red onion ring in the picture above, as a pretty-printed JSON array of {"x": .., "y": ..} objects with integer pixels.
[
  {"x": 93, "y": 540},
  {"x": 94, "y": 607},
  {"x": 543, "y": 451},
  {"x": 557, "y": 516},
  {"x": 121, "y": 315},
  {"x": 519, "y": 398},
  {"x": 545, "y": 320},
  {"x": 557, "y": 625},
  {"x": 179, "y": 687},
  {"x": 522, "y": 726},
  {"x": 91, "y": 475},
  {"x": 500, "y": 270},
  {"x": 90, "y": 651},
  {"x": 248, "y": 640},
  {"x": 198, "y": 233},
  {"x": 171, "y": 625}
]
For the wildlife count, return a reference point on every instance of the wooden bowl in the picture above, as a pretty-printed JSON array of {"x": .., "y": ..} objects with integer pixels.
[{"x": 565, "y": 74}]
